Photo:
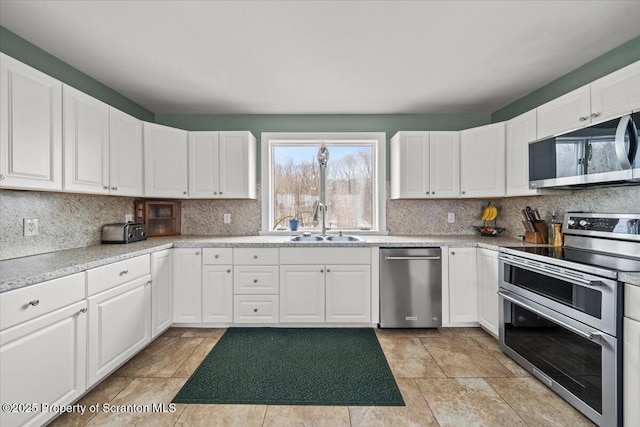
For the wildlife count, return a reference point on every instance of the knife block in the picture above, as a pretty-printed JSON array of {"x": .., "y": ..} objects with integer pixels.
[{"x": 541, "y": 234}]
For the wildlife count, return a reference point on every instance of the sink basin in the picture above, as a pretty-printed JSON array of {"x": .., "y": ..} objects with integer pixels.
[
  {"x": 307, "y": 239},
  {"x": 343, "y": 239}
]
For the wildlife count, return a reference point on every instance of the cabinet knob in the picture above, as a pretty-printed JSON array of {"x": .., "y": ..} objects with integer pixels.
[
  {"x": 464, "y": 192},
  {"x": 255, "y": 257},
  {"x": 584, "y": 118},
  {"x": 1, "y": 176},
  {"x": 255, "y": 280},
  {"x": 433, "y": 192},
  {"x": 148, "y": 283},
  {"x": 221, "y": 193},
  {"x": 198, "y": 253},
  {"x": 453, "y": 253},
  {"x": 321, "y": 271},
  {"x": 229, "y": 271},
  {"x": 34, "y": 302},
  {"x": 255, "y": 310},
  {"x": 217, "y": 256},
  {"x": 83, "y": 310},
  {"x": 184, "y": 192},
  {"x": 123, "y": 272},
  {"x": 328, "y": 271},
  {"x": 104, "y": 187},
  {"x": 215, "y": 192},
  {"x": 114, "y": 188},
  {"x": 594, "y": 115}
]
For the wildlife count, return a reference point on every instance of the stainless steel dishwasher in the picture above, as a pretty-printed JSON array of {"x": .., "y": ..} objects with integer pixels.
[{"x": 410, "y": 288}]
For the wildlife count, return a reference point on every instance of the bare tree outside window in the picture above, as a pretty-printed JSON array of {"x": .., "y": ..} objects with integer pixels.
[{"x": 349, "y": 190}]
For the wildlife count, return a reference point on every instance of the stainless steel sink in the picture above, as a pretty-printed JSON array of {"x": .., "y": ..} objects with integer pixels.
[
  {"x": 343, "y": 238},
  {"x": 307, "y": 239}
]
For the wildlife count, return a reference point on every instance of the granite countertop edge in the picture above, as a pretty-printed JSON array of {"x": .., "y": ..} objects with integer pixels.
[
  {"x": 26, "y": 271},
  {"x": 630, "y": 278}
]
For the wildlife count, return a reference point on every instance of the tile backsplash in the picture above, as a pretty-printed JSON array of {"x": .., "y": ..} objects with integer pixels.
[{"x": 74, "y": 220}]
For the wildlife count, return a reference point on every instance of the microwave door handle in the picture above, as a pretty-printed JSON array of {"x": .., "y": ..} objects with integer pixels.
[
  {"x": 512, "y": 298},
  {"x": 552, "y": 273},
  {"x": 625, "y": 124}
]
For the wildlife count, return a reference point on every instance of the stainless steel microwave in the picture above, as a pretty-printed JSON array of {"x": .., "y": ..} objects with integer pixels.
[{"x": 605, "y": 154}]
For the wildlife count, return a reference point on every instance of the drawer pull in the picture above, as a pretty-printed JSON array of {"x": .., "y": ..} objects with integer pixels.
[
  {"x": 328, "y": 271},
  {"x": 255, "y": 280},
  {"x": 229, "y": 271},
  {"x": 198, "y": 253},
  {"x": 255, "y": 257},
  {"x": 216, "y": 256},
  {"x": 34, "y": 302},
  {"x": 123, "y": 272},
  {"x": 321, "y": 271},
  {"x": 255, "y": 310},
  {"x": 83, "y": 310}
]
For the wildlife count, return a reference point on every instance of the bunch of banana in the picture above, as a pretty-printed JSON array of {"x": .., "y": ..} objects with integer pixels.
[{"x": 489, "y": 213}]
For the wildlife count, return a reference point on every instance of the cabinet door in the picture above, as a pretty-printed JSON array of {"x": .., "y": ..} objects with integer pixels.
[
  {"x": 482, "y": 161},
  {"x": 463, "y": 300},
  {"x": 444, "y": 164},
  {"x": 43, "y": 361},
  {"x": 204, "y": 169},
  {"x": 631, "y": 368},
  {"x": 616, "y": 94},
  {"x": 348, "y": 291},
  {"x": 165, "y": 161},
  {"x": 410, "y": 165},
  {"x": 187, "y": 285},
  {"x": 302, "y": 293},
  {"x": 161, "y": 291},
  {"x": 521, "y": 131},
  {"x": 568, "y": 112},
  {"x": 125, "y": 154},
  {"x": 30, "y": 128},
  {"x": 237, "y": 165},
  {"x": 86, "y": 143},
  {"x": 217, "y": 294},
  {"x": 119, "y": 326},
  {"x": 487, "y": 265}
]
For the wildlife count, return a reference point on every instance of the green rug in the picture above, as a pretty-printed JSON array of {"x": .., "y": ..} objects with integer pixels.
[{"x": 294, "y": 366}]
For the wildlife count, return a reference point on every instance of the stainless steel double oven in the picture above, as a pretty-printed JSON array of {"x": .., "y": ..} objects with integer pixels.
[{"x": 561, "y": 310}]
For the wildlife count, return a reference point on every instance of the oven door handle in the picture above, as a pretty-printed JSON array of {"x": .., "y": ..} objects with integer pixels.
[
  {"x": 512, "y": 298},
  {"x": 552, "y": 273}
]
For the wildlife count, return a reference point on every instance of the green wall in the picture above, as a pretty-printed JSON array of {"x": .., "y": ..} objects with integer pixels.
[
  {"x": 389, "y": 123},
  {"x": 24, "y": 51},
  {"x": 613, "y": 60}
]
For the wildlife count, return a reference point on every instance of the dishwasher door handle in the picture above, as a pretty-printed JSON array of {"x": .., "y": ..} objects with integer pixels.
[{"x": 428, "y": 258}]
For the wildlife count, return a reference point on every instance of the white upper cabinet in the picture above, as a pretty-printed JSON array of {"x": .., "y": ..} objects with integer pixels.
[
  {"x": 30, "y": 128},
  {"x": 222, "y": 165},
  {"x": 568, "y": 112},
  {"x": 521, "y": 131},
  {"x": 444, "y": 164},
  {"x": 125, "y": 154},
  {"x": 425, "y": 165},
  {"x": 86, "y": 143},
  {"x": 482, "y": 161},
  {"x": 616, "y": 94},
  {"x": 165, "y": 161}
]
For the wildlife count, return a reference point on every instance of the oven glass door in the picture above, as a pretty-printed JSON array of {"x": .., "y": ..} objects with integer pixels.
[{"x": 571, "y": 360}]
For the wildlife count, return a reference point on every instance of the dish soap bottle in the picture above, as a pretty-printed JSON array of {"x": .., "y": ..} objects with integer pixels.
[{"x": 551, "y": 233}]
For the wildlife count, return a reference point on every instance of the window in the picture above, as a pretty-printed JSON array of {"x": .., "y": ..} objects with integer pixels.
[{"x": 354, "y": 181}]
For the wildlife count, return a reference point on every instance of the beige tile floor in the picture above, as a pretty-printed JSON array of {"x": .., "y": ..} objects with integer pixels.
[{"x": 448, "y": 377}]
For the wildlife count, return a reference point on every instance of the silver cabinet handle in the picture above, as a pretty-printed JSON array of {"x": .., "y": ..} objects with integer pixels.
[
  {"x": 34, "y": 302},
  {"x": 594, "y": 115},
  {"x": 622, "y": 154},
  {"x": 511, "y": 298},
  {"x": 123, "y": 272},
  {"x": 584, "y": 118},
  {"x": 216, "y": 256},
  {"x": 114, "y": 188},
  {"x": 83, "y": 310},
  {"x": 428, "y": 258}
]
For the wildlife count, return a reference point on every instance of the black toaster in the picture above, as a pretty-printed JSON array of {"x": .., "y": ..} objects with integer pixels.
[{"x": 124, "y": 232}]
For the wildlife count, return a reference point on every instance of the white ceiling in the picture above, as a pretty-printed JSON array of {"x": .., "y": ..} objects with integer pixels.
[{"x": 324, "y": 57}]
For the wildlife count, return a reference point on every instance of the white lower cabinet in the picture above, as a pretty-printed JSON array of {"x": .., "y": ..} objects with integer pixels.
[
  {"x": 161, "y": 291},
  {"x": 302, "y": 293},
  {"x": 43, "y": 361},
  {"x": 255, "y": 309},
  {"x": 348, "y": 293},
  {"x": 487, "y": 269},
  {"x": 631, "y": 356},
  {"x": 119, "y": 326},
  {"x": 187, "y": 285},
  {"x": 217, "y": 293},
  {"x": 463, "y": 300}
]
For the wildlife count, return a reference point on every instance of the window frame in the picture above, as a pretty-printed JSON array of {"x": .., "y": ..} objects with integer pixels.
[{"x": 378, "y": 139}]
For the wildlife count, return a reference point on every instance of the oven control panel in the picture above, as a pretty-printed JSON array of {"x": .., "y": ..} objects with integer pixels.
[{"x": 618, "y": 224}]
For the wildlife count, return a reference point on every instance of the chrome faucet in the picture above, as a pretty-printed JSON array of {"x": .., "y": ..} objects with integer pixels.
[{"x": 320, "y": 207}]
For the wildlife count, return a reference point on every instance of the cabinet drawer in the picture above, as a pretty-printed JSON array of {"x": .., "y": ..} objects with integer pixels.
[
  {"x": 109, "y": 276},
  {"x": 255, "y": 309},
  {"x": 632, "y": 302},
  {"x": 255, "y": 256},
  {"x": 28, "y": 303},
  {"x": 259, "y": 280},
  {"x": 217, "y": 256}
]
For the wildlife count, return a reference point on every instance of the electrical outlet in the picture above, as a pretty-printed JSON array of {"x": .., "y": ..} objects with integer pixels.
[
  {"x": 30, "y": 226},
  {"x": 451, "y": 217},
  {"x": 128, "y": 218},
  {"x": 227, "y": 218}
]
